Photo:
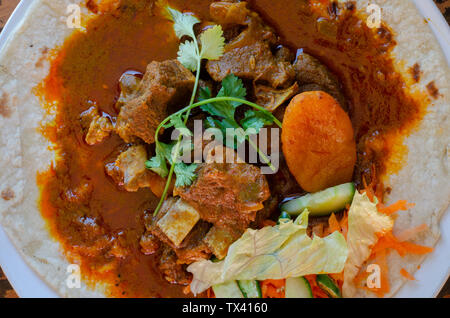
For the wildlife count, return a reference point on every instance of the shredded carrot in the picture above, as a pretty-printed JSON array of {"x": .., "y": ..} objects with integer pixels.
[
  {"x": 388, "y": 242},
  {"x": 407, "y": 275},
  {"x": 362, "y": 276},
  {"x": 344, "y": 224},
  {"x": 337, "y": 225},
  {"x": 410, "y": 248},
  {"x": 278, "y": 283},
  {"x": 382, "y": 262},
  {"x": 373, "y": 190},
  {"x": 410, "y": 233},
  {"x": 338, "y": 278},
  {"x": 210, "y": 293},
  {"x": 400, "y": 205},
  {"x": 370, "y": 194},
  {"x": 369, "y": 188},
  {"x": 272, "y": 288},
  {"x": 316, "y": 290},
  {"x": 333, "y": 224},
  {"x": 379, "y": 192},
  {"x": 385, "y": 244}
]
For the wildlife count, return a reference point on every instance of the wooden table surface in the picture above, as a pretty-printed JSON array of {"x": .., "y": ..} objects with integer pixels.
[{"x": 7, "y": 7}]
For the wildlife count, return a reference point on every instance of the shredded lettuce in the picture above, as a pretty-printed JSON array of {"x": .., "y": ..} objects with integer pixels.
[
  {"x": 364, "y": 223},
  {"x": 276, "y": 252}
]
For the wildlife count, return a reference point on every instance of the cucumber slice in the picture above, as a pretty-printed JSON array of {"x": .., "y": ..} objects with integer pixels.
[
  {"x": 284, "y": 216},
  {"x": 250, "y": 288},
  {"x": 227, "y": 290},
  {"x": 322, "y": 203},
  {"x": 328, "y": 286},
  {"x": 298, "y": 287}
]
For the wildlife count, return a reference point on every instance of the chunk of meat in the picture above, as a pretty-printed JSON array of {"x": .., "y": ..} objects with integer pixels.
[
  {"x": 129, "y": 84},
  {"x": 228, "y": 195},
  {"x": 129, "y": 169},
  {"x": 178, "y": 221},
  {"x": 91, "y": 239},
  {"x": 98, "y": 127},
  {"x": 284, "y": 54},
  {"x": 271, "y": 98},
  {"x": 149, "y": 244},
  {"x": 224, "y": 12},
  {"x": 310, "y": 88},
  {"x": 310, "y": 70},
  {"x": 192, "y": 248},
  {"x": 219, "y": 240},
  {"x": 249, "y": 55},
  {"x": 164, "y": 84},
  {"x": 99, "y": 130},
  {"x": 118, "y": 248},
  {"x": 173, "y": 272}
]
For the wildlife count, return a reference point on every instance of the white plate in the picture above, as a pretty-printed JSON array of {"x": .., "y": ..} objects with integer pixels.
[{"x": 432, "y": 275}]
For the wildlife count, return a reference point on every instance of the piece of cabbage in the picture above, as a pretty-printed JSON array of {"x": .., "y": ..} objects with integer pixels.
[
  {"x": 273, "y": 252},
  {"x": 364, "y": 223}
]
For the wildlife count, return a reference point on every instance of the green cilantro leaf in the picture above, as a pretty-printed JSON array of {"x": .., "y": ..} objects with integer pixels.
[
  {"x": 222, "y": 124},
  {"x": 225, "y": 124},
  {"x": 158, "y": 163},
  {"x": 165, "y": 153},
  {"x": 183, "y": 23},
  {"x": 232, "y": 86},
  {"x": 188, "y": 56},
  {"x": 256, "y": 119},
  {"x": 212, "y": 40},
  {"x": 213, "y": 43},
  {"x": 178, "y": 123},
  {"x": 185, "y": 174},
  {"x": 204, "y": 93}
]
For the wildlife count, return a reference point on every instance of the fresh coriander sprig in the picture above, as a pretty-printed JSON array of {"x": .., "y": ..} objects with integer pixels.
[
  {"x": 217, "y": 100},
  {"x": 232, "y": 86},
  {"x": 261, "y": 111},
  {"x": 166, "y": 150},
  {"x": 190, "y": 54}
]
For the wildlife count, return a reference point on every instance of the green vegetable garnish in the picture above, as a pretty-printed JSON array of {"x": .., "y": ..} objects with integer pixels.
[
  {"x": 225, "y": 111},
  {"x": 284, "y": 216},
  {"x": 232, "y": 94},
  {"x": 273, "y": 252},
  {"x": 328, "y": 286},
  {"x": 190, "y": 55}
]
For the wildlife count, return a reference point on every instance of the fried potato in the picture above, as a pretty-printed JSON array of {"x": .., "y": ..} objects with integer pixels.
[{"x": 318, "y": 141}]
